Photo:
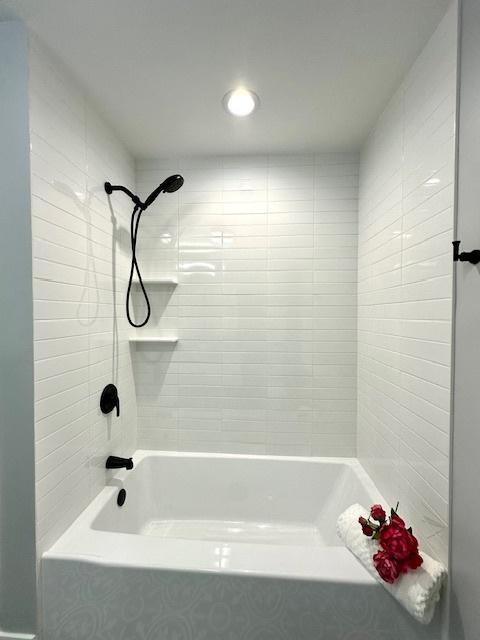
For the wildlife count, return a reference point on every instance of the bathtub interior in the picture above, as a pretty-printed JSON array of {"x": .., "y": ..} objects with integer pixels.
[{"x": 232, "y": 498}]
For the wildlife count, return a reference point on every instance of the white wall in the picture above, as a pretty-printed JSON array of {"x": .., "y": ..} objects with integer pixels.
[
  {"x": 404, "y": 291},
  {"x": 464, "y": 579},
  {"x": 80, "y": 251},
  {"x": 265, "y": 310}
]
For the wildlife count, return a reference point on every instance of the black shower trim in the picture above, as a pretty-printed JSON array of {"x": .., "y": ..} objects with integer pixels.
[
  {"x": 170, "y": 185},
  {"x": 466, "y": 256}
]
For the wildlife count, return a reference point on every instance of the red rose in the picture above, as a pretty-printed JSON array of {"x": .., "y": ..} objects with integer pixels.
[
  {"x": 377, "y": 512},
  {"x": 386, "y": 566},
  {"x": 366, "y": 528},
  {"x": 395, "y": 519},
  {"x": 399, "y": 542},
  {"x": 411, "y": 563},
  {"x": 413, "y": 541}
]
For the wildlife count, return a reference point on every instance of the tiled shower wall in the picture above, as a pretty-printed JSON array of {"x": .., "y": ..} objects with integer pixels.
[
  {"x": 265, "y": 252},
  {"x": 80, "y": 261},
  {"x": 405, "y": 285}
]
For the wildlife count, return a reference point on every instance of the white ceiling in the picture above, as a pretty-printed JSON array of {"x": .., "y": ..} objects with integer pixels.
[{"x": 158, "y": 69}]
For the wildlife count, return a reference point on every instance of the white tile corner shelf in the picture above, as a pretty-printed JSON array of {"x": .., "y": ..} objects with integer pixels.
[
  {"x": 153, "y": 339},
  {"x": 172, "y": 282}
]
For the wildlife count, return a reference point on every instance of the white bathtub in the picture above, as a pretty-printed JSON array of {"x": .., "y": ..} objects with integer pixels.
[{"x": 218, "y": 547}]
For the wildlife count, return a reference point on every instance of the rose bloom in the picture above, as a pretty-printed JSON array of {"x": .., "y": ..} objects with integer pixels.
[
  {"x": 395, "y": 519},
  {"x": 413, "y": 561},
  {"x": 397, "y": 541},
  {"x": 366, "y": 528},
  {"x": 378, "y": 513},
  {"x": 386, "y": 566}
]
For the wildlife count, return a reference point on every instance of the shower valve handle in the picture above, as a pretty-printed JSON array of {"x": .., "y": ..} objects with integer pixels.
[{"x": 109, "y": 399}]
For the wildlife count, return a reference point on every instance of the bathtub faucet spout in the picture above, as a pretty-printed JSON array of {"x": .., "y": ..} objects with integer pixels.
[{"x": 113, "y": 462}]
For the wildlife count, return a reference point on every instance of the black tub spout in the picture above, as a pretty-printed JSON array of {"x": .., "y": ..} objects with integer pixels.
[{"x": 113, "y": 462}]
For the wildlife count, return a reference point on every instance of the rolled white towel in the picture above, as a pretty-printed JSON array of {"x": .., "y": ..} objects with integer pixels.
[{"x": 417, "y": 591}]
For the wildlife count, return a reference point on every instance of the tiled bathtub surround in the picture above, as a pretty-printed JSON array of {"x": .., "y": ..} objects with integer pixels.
[
  {"x": 265, "y": 252},
  {"x": 80, "y": 252},
  {"x": 405, "y": 283}
]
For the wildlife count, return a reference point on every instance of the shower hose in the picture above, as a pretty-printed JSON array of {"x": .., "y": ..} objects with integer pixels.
[{"x": 134, "y": 223}]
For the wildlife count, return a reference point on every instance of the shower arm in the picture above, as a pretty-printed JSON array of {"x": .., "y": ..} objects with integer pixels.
[{"x": 109, "y": 188}]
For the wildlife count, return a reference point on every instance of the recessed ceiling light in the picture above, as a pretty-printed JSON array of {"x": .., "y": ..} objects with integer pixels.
[{"x": 240, "y": 102}]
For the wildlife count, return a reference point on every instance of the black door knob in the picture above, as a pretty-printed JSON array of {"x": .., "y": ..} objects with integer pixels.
[{"x": 109, "y": 399}]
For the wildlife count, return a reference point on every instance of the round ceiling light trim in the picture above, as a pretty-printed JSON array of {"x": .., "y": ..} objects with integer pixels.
[{"x": 240, "y": 102}]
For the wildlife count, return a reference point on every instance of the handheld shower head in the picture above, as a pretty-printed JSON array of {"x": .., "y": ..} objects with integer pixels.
[{"x": 170, "y": 185}]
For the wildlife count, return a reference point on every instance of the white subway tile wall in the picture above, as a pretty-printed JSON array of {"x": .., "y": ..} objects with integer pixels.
[
  {"x": 404, "y": 292},
  {"x": 265, "y": 252},
  {"x": 80, "y": 264}
]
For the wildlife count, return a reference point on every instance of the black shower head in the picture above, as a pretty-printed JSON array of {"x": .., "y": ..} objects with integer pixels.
[{"x": 171, "y": 184}]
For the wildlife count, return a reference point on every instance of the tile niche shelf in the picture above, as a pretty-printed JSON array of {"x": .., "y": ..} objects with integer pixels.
[
  {"x": 153, "y": 339},
  {"x": 171, "y": 282},
  {"x": 154, "y": 280}
]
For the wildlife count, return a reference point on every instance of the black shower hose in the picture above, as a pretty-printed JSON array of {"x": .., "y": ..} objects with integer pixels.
[{"x": 134, "y": 222}]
